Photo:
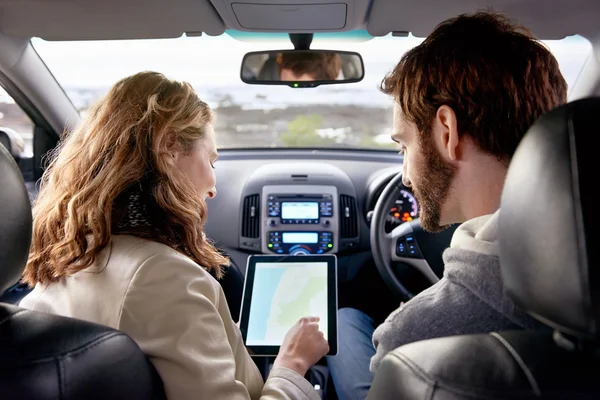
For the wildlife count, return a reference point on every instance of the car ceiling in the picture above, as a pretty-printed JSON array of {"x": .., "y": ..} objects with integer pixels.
[{"x": 138, "y": 19}]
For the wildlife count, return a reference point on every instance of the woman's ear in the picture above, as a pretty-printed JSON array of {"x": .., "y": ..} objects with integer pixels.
[
  {"x": 448, "y": 132},
  {"x": 173, "y": 146}
]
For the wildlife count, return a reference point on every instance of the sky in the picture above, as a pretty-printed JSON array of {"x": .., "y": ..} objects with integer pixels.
[{"x": 213, "y": 63}]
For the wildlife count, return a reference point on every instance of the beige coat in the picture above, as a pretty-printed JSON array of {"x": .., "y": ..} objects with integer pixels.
[{"x": 177, "y": 313}]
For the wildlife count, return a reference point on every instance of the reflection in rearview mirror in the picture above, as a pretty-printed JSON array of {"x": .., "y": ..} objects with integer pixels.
[{"x": 302, "y": 68}]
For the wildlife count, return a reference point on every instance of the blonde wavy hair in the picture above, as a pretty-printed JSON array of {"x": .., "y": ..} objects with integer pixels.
[{"x": 126, "y": 141}]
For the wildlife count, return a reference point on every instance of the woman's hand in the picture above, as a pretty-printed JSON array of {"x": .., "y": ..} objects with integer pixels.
[{"x": 303, "y": 346}]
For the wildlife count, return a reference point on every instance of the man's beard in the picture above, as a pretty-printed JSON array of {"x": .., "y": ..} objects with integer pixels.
[{"x": 435, "y": 179}]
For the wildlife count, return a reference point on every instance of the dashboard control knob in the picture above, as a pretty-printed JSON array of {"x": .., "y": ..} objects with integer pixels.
[
  {"x": 272, "y": 222},
  {"x": 300, "y": 252},
  {"x": 326, "y": 223}
]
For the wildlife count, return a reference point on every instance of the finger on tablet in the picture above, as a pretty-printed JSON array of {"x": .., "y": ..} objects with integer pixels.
[{"x": 310, "y": 319}]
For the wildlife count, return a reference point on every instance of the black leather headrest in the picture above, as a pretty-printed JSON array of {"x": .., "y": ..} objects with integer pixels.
[
  {"x": 12, "y": 141},
  {"x": 549, "y": 210},
  {"x": 15, "y": 221}
]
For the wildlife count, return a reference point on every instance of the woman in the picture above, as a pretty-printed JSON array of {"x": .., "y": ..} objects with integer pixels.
[{"x": 118, "y": 240}]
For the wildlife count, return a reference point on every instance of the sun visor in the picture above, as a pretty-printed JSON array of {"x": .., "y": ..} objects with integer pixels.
[
  {"x": 292, "y": 16},
  {"x": 314, "y": 17},
  {"x": 108, "y": 19},
  {"x": 558, "y": 19}
]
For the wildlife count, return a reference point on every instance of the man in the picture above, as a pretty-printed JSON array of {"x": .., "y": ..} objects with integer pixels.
[
  {"x": 463, "y": 98},
  {"x": 308, "y": 66}
]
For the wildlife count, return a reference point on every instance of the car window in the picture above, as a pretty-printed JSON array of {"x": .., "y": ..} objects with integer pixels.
[
  {"x": 15, "y": 124},
  {"x": 355, "y": 115}
]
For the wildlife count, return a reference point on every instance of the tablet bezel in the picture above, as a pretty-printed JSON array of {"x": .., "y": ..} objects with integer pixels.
[{"x": 332, "y": 298}]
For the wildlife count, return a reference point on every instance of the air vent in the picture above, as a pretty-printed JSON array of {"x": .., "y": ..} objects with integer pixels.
[
  {"x": 251, "y": 217},
  {"x": 348, "y": 217}
]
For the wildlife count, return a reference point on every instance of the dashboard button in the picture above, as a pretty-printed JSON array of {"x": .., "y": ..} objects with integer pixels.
[
  {"x": 401, "y": 248},
  {"x": 413, "y": 251}
]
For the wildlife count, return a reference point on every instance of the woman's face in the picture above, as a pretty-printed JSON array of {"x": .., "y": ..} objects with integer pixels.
[{"x": 198, "y": 164}]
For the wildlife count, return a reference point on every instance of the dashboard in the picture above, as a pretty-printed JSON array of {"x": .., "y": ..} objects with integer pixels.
[
  {"x": 302, "y": 201},
  {"x": 291, "y": 201}
]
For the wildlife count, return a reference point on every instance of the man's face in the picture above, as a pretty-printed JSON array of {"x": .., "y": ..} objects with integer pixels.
[{"x": 424, "y": 169}]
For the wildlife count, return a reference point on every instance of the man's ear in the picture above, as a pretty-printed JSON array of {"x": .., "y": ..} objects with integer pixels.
[{"x": 448, "y": 134}]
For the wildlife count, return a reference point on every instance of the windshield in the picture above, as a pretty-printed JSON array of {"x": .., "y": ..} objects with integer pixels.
[{"x": 353, "y": 115}]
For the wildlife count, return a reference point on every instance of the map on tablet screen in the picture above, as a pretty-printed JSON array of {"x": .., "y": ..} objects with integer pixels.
[{"x": 282, "y": 294}]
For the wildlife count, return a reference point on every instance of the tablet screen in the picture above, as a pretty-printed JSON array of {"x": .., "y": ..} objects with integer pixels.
[
  {"x": 283, "y": 293},
  {"x": 281, "y": 290}
]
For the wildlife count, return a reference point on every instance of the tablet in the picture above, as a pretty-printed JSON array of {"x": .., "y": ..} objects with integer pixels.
[{"x": 279, "y": 290}]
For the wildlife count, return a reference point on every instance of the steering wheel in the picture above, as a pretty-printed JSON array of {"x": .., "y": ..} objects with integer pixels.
[{"x": 408, "y": 244}]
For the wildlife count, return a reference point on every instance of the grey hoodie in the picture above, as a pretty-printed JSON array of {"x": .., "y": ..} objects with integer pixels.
[{"x": 468, "y": 299}]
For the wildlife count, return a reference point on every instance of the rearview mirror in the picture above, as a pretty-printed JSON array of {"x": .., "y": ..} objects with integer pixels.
[{"x": 302, "y": 68}]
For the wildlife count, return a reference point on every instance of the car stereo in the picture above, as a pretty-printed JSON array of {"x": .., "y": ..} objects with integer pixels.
[
  {"x": 299, "y": 220},
  {"x": 300, "y": 243},
  {"x": 298, "y": 209}
]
